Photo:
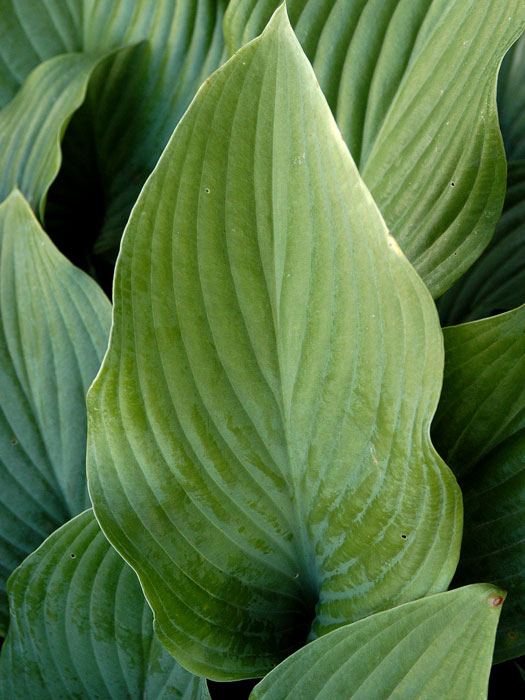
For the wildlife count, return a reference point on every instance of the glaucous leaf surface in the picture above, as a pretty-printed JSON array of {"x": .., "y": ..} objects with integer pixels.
[
  {"x": 32, "y": 124},
  {"x": 54, "y": 327},
  {"x": 259, "y": 433},
  {"x": 412, "y": 84},
  {"x": 480, "y": 430},
  {"x": 134, "y": 101},
  {"x": 496, "y": 281},
  {"x": 511, "y": 101},
  {"x": 81, "y": 628},
  {"x": 436, "y": 647}
]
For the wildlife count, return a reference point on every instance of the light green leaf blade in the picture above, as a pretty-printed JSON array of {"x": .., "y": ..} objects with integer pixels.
[
  {"x": 480, "y": 429},
  {"x": 496, "y": 281},
  {"x": 81, "y": 628},
  {"x": 511, "y": 101},
  {"x": 412, "y": 84},
  {"x": 259, "y": 447},
  {"x": 54, "y": 326},
  {"x": 437, "y": 647},
  {"x": 32, "y": 124}
]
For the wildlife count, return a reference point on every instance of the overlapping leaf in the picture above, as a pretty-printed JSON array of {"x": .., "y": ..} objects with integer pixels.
[
  {"x": 54, "y": 326},
  {"x": 32, "y": 124},
  {"x": 480, "y": 429},
  {"x": 412, "y": 85},
  {"x": 80, "y": 627},
  {"x": 133, "y": 103},
  {"x": 259, "y": 446},
  {"x": 437, "y": 647},
  {"x": 511, "y": 101},
  {"x": 496, "y": 281}
]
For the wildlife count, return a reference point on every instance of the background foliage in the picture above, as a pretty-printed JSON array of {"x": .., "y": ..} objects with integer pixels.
[{"x": 259, "y": 449}]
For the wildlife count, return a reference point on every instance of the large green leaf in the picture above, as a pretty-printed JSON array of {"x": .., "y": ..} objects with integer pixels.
[
  {"x": 480, "y": 429},
  {"x": 412, "y": 84},
  {"x": 54, "y": 326},
  {"x": 80, "y": 627},
  {"x": 511, "y": 101},
  {"x": 437, "y": 647},
  {"x": 133, "y": 103},
  {"x": 496, "y": 281},
  {"x": 32, "y": 124},
  {"x": 259, "y": 433}
]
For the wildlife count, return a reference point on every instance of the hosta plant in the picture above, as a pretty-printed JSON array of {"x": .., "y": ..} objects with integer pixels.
[{"x": 291, "y": 448}]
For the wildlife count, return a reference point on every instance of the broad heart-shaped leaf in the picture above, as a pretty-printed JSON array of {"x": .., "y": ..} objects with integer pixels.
[
  {"x": 54, "y": 326},
  {"x": 133, "y": 104},
  {"x": 480, "y": 429},
  {"x": 435, "y": 648},
  {"x": 32, "y": 124},
  {"x": 511, "y": 101},
  {"x": 259, "y": 432},
  {"x": 81, "y": 628},
  {"x": 496, "y": 281},
  {"x": 412, "y": 84}
]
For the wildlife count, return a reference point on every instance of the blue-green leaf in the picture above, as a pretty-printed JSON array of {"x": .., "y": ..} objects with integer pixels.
[
  {"x": 496, "y": 281},
  {"x": 80, "y": 627},
  {"x": 480, "y": 430},
  {"x": 54, "y": 327}
]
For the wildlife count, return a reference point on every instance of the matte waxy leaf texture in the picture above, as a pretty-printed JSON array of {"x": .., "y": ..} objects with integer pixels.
[
  {"x": 496, "y": 281},
  {"x": 412, "y": 84},
  {"x": 437, "y": 647},
  {"x": 134, "y": 100},
  {"x": 32, "y": 124},
  {"x": 80, "y": 627},
  {"x": 480, "y": 428},
  {"x": 259, "y": 432},
  {"x": 54, "y": 327}
]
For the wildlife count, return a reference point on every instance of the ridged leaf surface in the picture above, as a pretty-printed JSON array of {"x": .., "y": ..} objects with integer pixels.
[
  {"x": 412, "y": 84},
  {"x": 496, "y": 281},
  {"x": 54, "y": 327},
  {"x": 80, "y": 627},
  {"x": 438, "y": 647},
  {"x": 133, "y": 103},
  {"x": 259, "y": 433},
  {"x": 480, "y": 429},
  {"x": 32, "y": 124}
]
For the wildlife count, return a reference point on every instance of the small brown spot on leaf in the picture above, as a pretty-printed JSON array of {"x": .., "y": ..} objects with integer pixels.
[{"x": 14, "y": 441}]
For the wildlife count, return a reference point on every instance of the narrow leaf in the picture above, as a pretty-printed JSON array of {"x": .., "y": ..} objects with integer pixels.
[
  {"x": 259, "y": 447},
  {"x": 480, "y": 429},
  {"x": 438, "y": 647},
  {"x": 412, "y": 84},
  {"x": 80, "y": 627},
  {"x": 54, "y": 325}
]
